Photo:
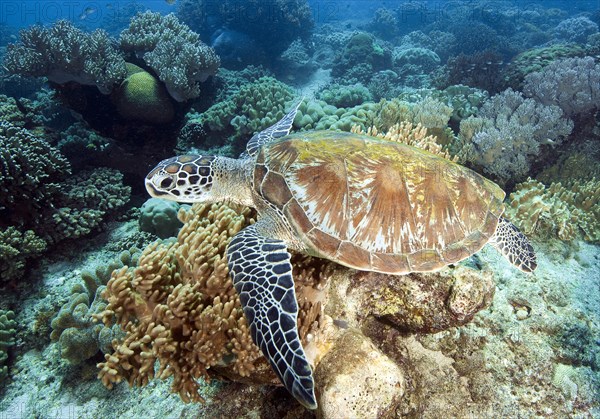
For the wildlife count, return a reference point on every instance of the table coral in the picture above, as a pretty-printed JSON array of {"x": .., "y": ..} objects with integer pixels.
[
  {"x": 176, "y": 53},
  {"x": 65, "y": 53}
]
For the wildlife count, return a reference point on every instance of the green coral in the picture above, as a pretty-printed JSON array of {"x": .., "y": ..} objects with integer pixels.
[
  {"x": 7, "y": 334},
  {"x": 250, "y": 109},
  {"x": 159, "y": 217},
  {"x": 142, "y": 97},
  {"x": 536, "y": 59},
  {"x": 342, "y": 96},
  {"x": 16, "y": 247},
  {"x": 362, "y": 56},
  {"x": 78, "y": 335}
]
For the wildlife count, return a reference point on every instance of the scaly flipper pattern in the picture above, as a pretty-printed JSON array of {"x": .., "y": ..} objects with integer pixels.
[
  {"x": 280, "y": 129},
  {"x": 262, "y": 276},
  {"x": 514, "y": 246}
]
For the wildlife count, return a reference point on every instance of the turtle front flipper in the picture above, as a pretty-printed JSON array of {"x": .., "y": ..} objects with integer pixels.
[
  {"x": 280, "y": 129},
  {"x": 514, "y": 246},
  {"x": 262, "y": 276}
]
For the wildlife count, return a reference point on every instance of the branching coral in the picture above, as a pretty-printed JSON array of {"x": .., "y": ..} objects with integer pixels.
[
  {"x": 407, "y": 133},
  {"x": 64, "y": 53},
  {"x": 173, "y": 51},
  {"x": 564, "y": 212},
  {"x": 508, "y": 133},
  {"x": 7, "y": 334},
  {"x": 570, "y": 83},
  {"x": 29, "y": 169},
  {"x": 15, "y": 248},
  {"x": 179, "y": 307}
]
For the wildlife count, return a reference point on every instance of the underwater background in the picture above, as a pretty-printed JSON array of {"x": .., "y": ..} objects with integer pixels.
[{"x": 116, "y": 305}]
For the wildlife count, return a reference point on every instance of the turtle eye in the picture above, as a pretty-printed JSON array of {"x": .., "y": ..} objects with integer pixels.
[{"x": 166, "y": 183}]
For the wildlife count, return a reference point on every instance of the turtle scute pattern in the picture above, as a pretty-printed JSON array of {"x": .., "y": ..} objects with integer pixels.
[{"x": 377, "y": 205}]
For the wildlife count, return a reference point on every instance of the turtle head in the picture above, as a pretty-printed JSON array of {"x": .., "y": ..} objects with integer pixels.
[{"x": 186, "y": 179}]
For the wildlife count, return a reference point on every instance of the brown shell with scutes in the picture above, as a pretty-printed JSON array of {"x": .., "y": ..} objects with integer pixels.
[{"x": 377, "y": 205}]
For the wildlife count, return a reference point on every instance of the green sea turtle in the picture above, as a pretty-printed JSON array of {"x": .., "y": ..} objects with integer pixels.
[{"x": 360, "y": 201}]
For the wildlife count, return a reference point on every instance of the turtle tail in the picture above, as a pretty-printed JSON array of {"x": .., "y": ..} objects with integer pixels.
[{"x": 514, "y": 246}]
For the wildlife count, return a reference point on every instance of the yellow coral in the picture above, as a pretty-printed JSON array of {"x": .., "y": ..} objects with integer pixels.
[
  {"x": 179, "y": 307},
  {"x": 566, "y": 212},
  {"x": 407, "y": 133}
]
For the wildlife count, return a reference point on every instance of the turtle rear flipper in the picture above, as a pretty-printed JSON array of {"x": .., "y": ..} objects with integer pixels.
[
  {"x": 262, "y": 276},
  {"x": 514, "y": 246}
]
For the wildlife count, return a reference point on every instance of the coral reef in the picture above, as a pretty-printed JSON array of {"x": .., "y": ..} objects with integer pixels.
[
  {"x": 360, "y": 57},
  {"x": 41, "y": 202},
  {"x": 509, "y": 117},
  {"x": 29, "y": 169},
  {"x": 344, "y": 96},
  {"x": 482, "y": 70},
  {"x": 75, "y": 329},
  {"x": 16, "y": 247},
  {"x": 536, "y": 59},
  {"x": 250, "y": 109},
  {"x": 177, "y": 55},
  {"x": 141, "y": 97},
  {"x": 159, "y": 217},
  {"x": 384, "y": 24},
  {"x": 7, "y": 333},
  {"x": 64, "y": 53},
  {"x": 576, "y": 29},
  {"x": 566, "y": 212},
  {"x": 178, "y": 307},
  {"x": 570, "y": 83}
]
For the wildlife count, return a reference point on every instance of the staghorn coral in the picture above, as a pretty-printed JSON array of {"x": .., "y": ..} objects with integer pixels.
[
  {"x": 64, "y": 53},
  {"x": 570, "y": 83},
  {"x": 176, "y": 53},
  {"x": 566, "y": 212},
  {"x": 508, "y": 134}
]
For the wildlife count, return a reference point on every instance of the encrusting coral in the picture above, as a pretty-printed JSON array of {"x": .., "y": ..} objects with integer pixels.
[{"x": 65, "y": 53}]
